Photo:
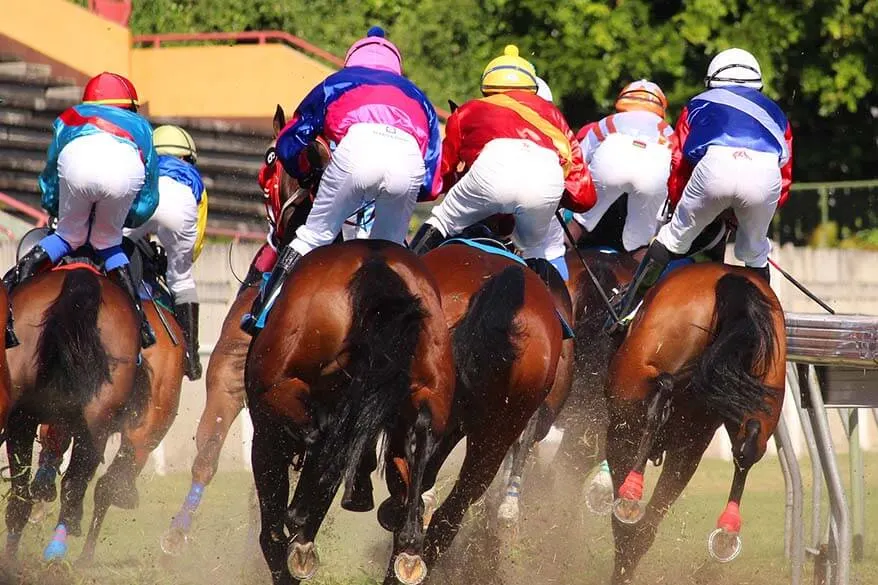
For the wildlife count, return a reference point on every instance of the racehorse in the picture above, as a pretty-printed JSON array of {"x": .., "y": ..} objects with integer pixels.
[
  {"x": 507, "y": 341},
  {"x": 5, "y": 382},
  {"x": 224, "y": 381},
  {"x": 356, "y": 344},
  {"x": 76, "y": 366},
  {"x": 705, "y": 349},
  {"x": 142, "y": 429}
]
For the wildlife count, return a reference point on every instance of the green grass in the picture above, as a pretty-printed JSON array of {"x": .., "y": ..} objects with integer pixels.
[{"x": 560, "y": 543}]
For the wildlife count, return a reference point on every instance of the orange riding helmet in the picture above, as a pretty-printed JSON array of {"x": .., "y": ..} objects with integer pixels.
[
  {"x": 642, "y": 95},
  {"x": 111, "y": 89}
]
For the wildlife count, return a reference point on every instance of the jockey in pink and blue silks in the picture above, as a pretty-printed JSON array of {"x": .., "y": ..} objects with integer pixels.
[{"x": 384, "y": 134}]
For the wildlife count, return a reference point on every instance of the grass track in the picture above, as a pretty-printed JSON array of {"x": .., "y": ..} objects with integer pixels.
[{"x": 560, "y": 541}]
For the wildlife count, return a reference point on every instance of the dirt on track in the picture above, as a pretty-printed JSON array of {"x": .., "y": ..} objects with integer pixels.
[{"x": 560, "y": 542}]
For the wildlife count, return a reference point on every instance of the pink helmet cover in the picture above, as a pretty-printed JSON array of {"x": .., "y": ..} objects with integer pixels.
[{"x": 375, "y": 52}]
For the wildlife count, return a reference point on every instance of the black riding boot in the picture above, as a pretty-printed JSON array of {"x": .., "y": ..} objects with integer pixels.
[
  {"x": 36, "y": 260},
  {"x": 764, "y": 273},
  {"x": 122, "y": 277},
  {"x": 651, "y": 267},
  {"x": 285, "y": 264},
  {"x": 427, "y": 238},
  {"x": 187, "y": 316}
]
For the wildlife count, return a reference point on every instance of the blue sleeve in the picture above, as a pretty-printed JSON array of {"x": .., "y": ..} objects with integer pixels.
[
  {"x": 147, "y": 200},
  {"x": 49, "y": 176},
  {"x": 307, "y": 125},
  {"x": 434, "y": 149}
]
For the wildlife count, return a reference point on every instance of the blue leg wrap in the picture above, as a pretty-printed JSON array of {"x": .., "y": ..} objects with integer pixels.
[
  {"x": 113, "y": 257},
  {"x": 55, "y": 246}
]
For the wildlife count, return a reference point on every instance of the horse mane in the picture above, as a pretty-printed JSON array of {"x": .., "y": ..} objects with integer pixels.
[
  {"x": 483, "y": 341},
  {"x": 387, "y": 323},
  {"x": 727, "y": 377},
  {"x": 71, "y": 357}
]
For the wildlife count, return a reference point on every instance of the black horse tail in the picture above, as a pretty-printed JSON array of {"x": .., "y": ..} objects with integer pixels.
[
  {"x": 484, "y": 339},
  {"x": 384, "y": 335},
  {"x": 71, "y": 358},
  {"x": 727, "y": 378}
]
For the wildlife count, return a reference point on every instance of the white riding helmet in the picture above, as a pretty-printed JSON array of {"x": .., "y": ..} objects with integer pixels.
[
  {"x": 543, "y": 90},
  {"x": 734, "y": 67}
]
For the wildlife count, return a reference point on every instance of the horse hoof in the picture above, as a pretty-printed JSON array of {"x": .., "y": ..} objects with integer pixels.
[
  {"x": 628, "y": 511},
  {"x": 55, "y": 551},
  {"x": 390, "y": 515},
  {"x": 173, "y": 542},
  {"x": 723, "y": 546},
  {"x": 409, "y": 569},
  {"x": 599, "y": 495},
  {"x": 303, "y": 560},
  {"x": 39, "y": 512},
  {"x": 358, "y": 500}
]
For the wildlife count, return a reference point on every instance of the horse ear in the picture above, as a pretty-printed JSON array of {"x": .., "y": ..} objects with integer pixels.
[
  {"x": 452, "y": 106},
  {"x": 280, "y": 120}
]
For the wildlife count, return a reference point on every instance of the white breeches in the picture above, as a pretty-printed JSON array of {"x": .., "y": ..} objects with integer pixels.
[
  {"x": 175, "y": 224},
  {"x": 96, "y": 171},
  {"x": 622, "y": 164},
  {"x": 509, "y": 176},
  {"x": 746, "y": 181},
  {"x": 372, "y": 162}
]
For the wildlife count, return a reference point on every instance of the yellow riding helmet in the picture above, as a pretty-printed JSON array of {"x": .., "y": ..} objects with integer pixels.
[
  {"x": 174, "y": 141},
  {"x": 508, "y": 72}
]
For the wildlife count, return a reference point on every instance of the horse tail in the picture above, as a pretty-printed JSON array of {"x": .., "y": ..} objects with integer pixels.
[
  {"x": 71, "y": 358},
  {"x": 727, "y": 378},
  {"x": 387, "y": 319},
  {"x": 483, "y": 340}
]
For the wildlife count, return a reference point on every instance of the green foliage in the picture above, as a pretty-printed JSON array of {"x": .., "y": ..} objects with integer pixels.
[{"x": 819, "y": 57}]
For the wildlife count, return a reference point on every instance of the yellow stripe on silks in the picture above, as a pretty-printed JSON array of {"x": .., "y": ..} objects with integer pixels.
[
  {"x": 201, "y": 225},
  {"x": 558, "y": 138}
]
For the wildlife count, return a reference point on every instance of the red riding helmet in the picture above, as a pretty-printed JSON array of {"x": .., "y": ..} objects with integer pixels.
[{"x": 111, "y": 89}]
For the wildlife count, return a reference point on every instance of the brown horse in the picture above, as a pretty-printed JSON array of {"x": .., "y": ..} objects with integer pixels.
[
  {"x": 5, "y": 381},
  {"x": 507, "y": 341},
  {"x": 706, "y": 349},
  {"x": 142, "y": 429},
  {"x": 356, "y": 344},
  {"x": 224, "y": 381},
  {"x": 76, "y": 366}
]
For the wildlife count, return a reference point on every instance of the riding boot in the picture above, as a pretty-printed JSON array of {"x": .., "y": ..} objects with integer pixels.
[
  {"x": 427, "y": 238},
  {"x": 187, "y": 315},
  {"x": 651, "y": 267},
  {"x": 36, "y": 260},
  {"x": 285, "y": 263},
  {"x": 122, "y": 277},
  {"x": 553, "y": 279},
  {"x": 763, "y": 273}
]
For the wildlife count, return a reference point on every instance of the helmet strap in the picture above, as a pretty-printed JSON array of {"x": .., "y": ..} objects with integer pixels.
[{"x": 716, "y": 73}]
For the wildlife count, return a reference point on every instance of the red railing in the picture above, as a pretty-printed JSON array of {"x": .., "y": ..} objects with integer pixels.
[{"x": 258, "y": 37}]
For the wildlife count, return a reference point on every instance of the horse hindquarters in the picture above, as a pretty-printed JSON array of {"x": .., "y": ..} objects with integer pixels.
[{"x": 740, "y": 376}]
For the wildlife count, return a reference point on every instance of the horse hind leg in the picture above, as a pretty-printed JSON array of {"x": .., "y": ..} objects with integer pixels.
[
  {"x": 724, "y": 543},
  {"x": 83, "y": 463},
  {"x": 508, "y": 514},
  {"x": 632, "y": 541},
  {"x": 19, "y": 449},
  {"x": 407, "y": 564},
  {"x": 628, "y": 507}
]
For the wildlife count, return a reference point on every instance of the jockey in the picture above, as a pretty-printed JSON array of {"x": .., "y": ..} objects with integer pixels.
[
  {"x": 555, "y": 248},
  {"x": 178, "y": 223},
  {"x": 387, "y": 147},
  {"x": 101, "y": 174},
  {"x": 630, "y": 152},
  {"x": 508, "y": 152},
  {"x": 736, "y": 153}
]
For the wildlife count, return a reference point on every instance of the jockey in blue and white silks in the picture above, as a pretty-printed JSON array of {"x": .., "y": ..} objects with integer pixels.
[{"x": 101, "y": 174}]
